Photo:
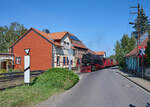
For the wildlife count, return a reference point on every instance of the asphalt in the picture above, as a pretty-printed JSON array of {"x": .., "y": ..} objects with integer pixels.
[{"x": 103, "y": 88}]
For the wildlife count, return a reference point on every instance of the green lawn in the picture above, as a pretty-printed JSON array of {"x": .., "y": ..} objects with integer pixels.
[{"x": 52, "y": 81}]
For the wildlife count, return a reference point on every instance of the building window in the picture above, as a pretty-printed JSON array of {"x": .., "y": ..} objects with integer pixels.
[
  {"x": 78, "y": 61},
  {"x": 68, "y": 43},
  {"x": 67, "y": 61},
  {"x": 64, "y": 60},
  {"x": 58, "y": 60},
  {"x": 65, "y": 43},
  {"x": 18, "y": 60}
]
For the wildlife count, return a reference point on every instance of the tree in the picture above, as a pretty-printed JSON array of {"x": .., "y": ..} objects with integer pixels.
[
  {"x": 132, "y": 43},
  {"x": 125, "y": 43},
  {"x": 147, "y": 52},
  {"x": 8, "y": 35},
  {"x": 117, "y": 51},
  {"x": 143, "y": 22},
  {"x": 112, "y": 57},
  {"x": 123, "y": 47}
]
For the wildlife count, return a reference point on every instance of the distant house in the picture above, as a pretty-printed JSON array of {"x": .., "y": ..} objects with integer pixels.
[
  {"x": 101, "y": 53},
  {"x": 6, "y": 61},
  {"x": 133, "y": 60},
  {"x": 47, "y": 50},
  {"x": 68, "y": 42}
]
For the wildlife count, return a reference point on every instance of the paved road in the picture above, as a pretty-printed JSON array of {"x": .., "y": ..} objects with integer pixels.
[{"x": 104, "y": 88}]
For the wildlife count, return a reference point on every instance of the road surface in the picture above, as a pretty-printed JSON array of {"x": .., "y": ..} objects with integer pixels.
[{"x": 103, "y": 88}]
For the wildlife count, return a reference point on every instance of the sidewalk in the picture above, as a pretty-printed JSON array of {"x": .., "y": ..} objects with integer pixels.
[{"x": 143, "y": 83}]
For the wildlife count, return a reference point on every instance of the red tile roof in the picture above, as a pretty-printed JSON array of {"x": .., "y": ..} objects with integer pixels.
[
  {"x": 78, "y": 44},
  {"x": 57, "y": 35},
  {"x": 90, "y": 51},
  {"x": 52, "y": 37},
  {"x": 47, "y": 36},
  {"x": 60, "y": 35},
  {"x": 100, "y": 53},
  {"x": 135, "y": 52}
]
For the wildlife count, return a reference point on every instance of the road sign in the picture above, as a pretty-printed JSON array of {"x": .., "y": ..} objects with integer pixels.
[
  {"x": 27, "y": 51},
  {"x": 142, "y": 51},
  {"x": 27, "y": 69}
]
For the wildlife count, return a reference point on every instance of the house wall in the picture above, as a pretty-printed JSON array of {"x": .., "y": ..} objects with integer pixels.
[
  {"x": 40, "y": 52},
  {"x": 78, "y": 55},
  {"x": 63, "y": 52},
  {"x": 132, "y": 65}
]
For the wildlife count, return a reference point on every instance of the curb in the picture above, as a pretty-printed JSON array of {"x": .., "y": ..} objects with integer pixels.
[{"x": 134, "y": 82}]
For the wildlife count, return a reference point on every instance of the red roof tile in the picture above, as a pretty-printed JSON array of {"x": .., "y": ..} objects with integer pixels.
[
  {"x": 46, "y": 35},
  {"x": 57, "y": 35},
  {"x": 90, "y": 51},
  {"x": 78, "y": 44},
  {"x": 52, "y": 37},
  {"x": 100, "y": 53}
]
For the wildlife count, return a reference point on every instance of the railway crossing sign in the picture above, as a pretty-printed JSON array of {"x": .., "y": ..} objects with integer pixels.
[
  {"x": 27, "y": 67},
  {"x": 142, "y": 51}
]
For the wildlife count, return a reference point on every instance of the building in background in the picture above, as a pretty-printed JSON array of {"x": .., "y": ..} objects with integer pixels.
[
  {"x": 48, "y": 50},
  {"x": 101, "y": 53},
  {"x": 133, "y": 59},
  {"x": 40, "y": 46},
  {"x": 6, "y": 61},
  {"x": 68, "y": 42}
]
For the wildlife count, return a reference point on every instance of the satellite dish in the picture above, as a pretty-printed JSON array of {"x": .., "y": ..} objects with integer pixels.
[{"x": 46, "y": 31}]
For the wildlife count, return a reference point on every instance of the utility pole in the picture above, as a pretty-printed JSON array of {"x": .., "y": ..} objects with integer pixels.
[{"x": 138, "y": 33}]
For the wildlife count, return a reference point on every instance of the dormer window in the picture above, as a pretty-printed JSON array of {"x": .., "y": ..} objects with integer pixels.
[
  {"x": 65, "y": 42},
  {"x": 68, "y": 43}
]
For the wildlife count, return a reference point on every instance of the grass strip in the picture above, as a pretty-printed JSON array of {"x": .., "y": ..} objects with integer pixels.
[{"x": 50, "y": 82}]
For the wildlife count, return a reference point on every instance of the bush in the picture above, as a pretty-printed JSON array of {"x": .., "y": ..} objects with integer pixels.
[
  {"x": 3, "y": 71},
  {"x": 57, "y": 78}
]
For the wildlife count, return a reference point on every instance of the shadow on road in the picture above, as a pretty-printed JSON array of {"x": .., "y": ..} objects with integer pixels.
[
  {"x": 147, "y": 105},
  {"x": 132, "y": 105}
]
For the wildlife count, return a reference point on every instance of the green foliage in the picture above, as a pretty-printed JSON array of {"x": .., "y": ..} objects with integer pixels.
[
  {"x": 122, "y": 47},
  {"x": 144, "y": 25},
  {"x": 9, "y": 34},
  {"x": 50, "y": 82},
  {"x": 112, "y": 57},
  {"x": 58, "y": 78},
  {"x": 3, "y": 71},
  {"x": 147, "y": 52}
]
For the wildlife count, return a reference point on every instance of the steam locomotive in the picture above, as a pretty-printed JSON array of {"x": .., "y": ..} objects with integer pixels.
[{"x": 92, "y": 62}]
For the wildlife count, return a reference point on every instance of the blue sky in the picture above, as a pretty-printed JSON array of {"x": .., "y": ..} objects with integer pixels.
[{"x": 98, "y": 23}]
